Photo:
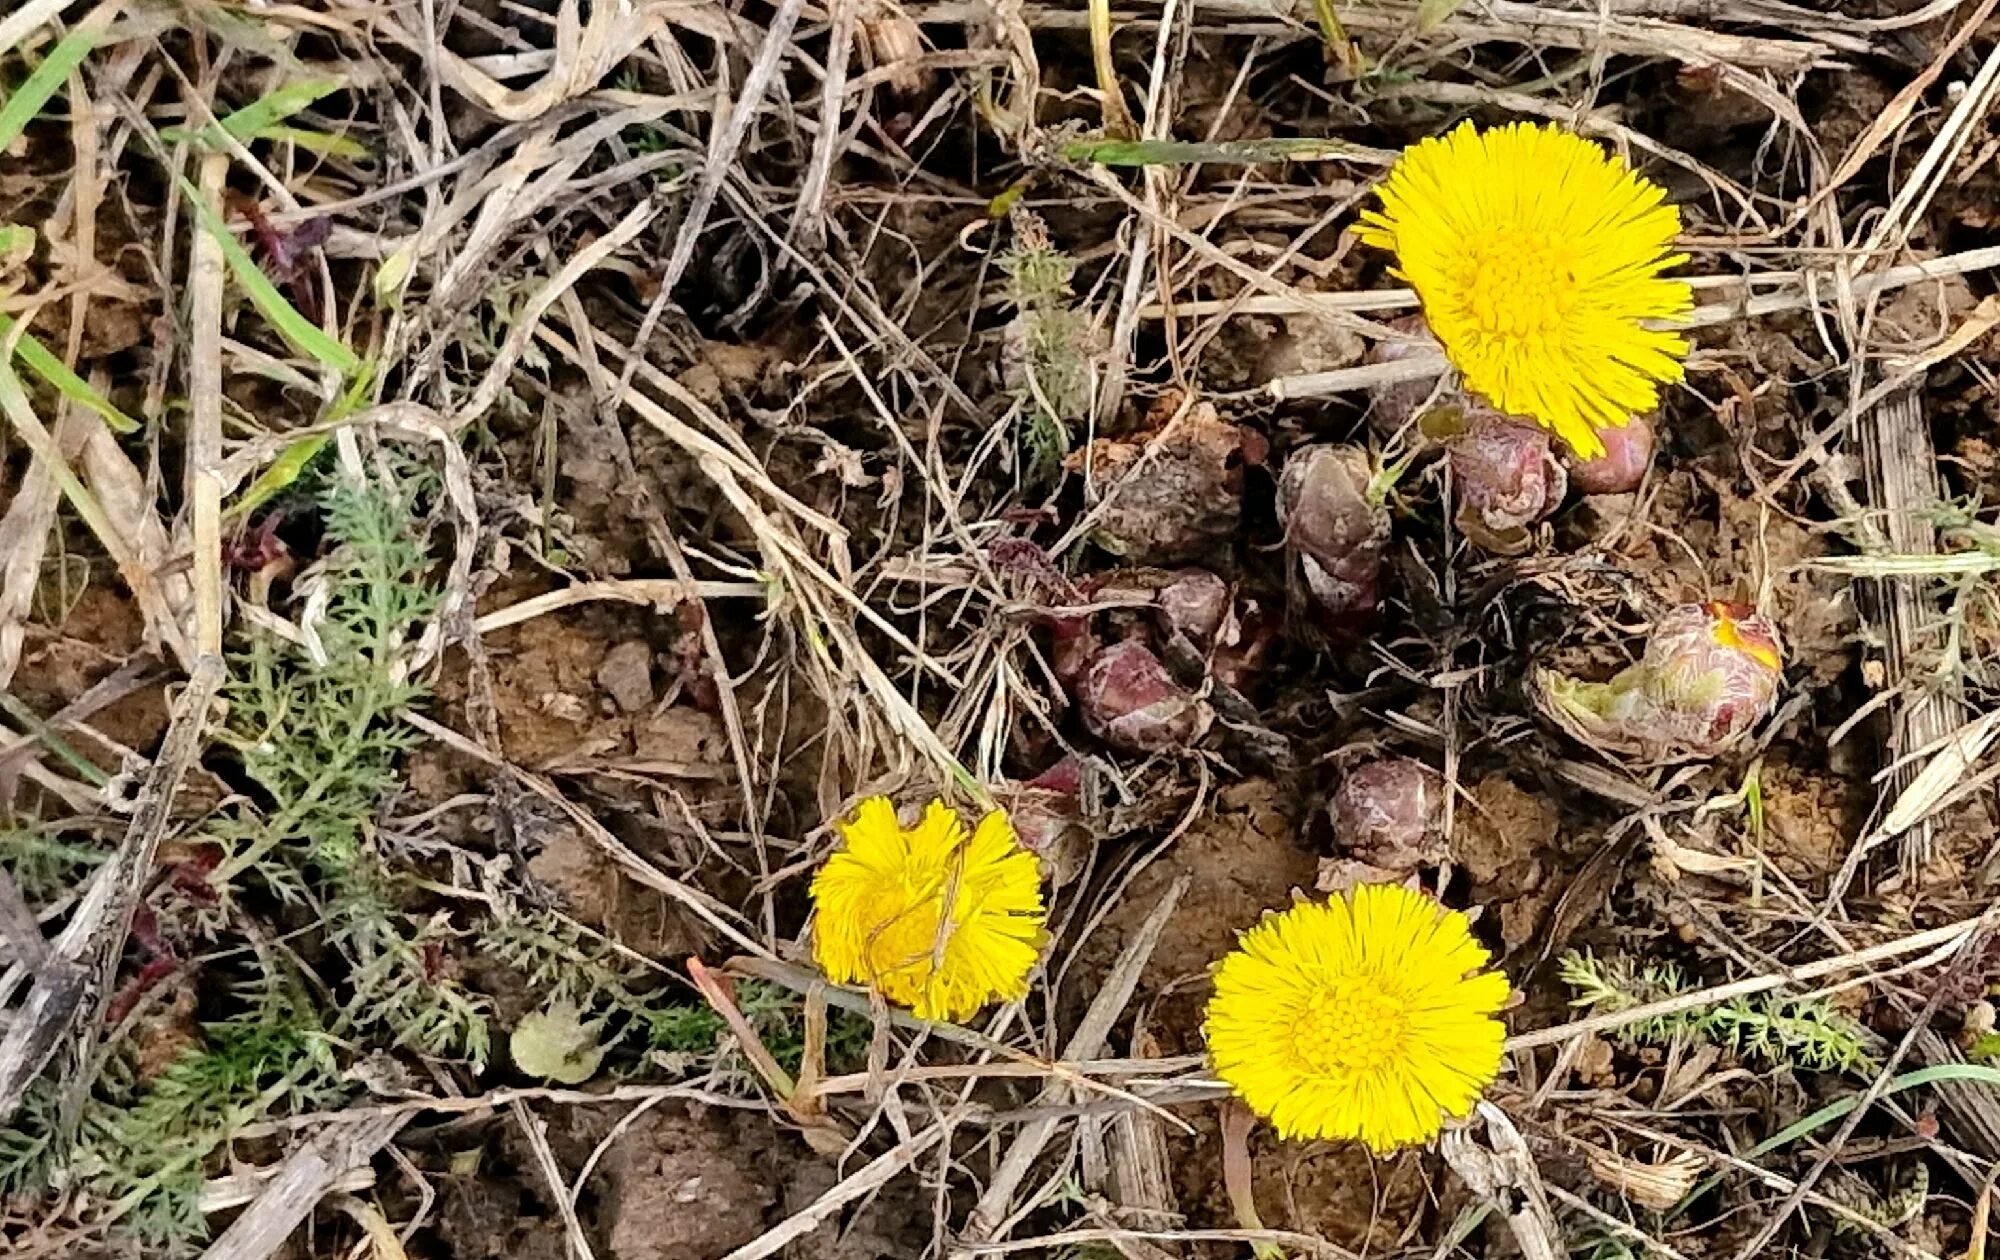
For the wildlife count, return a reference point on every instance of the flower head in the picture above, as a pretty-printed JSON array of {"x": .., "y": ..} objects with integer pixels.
[
  {"x": 1628, "y": 454},
  {"x": 1390, "y": 813},
  {"x": 881, "y": 918},
  {"x": 1365, "y": 1016},
  {"x": 1715, "y": 670},
  {"x": 1537, "y": 258},
  {"x": 1131, "y": 701}
]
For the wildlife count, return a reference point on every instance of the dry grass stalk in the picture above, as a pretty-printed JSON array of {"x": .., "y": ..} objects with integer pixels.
[
  {"x": 1502, "y": 1173},
  {"x": 536, "y": 1131},
  {"x": 1655, "y": 1186},
  {"x": 918, "y": 659},
  {"x": 864, "y": 1181},
  {"x": 1936, "y": 943},
  {"x": 89, "y": 947},
  {"x": 996, "y": 1206},
  {"x": 204, "y": 450},
  {"x": 318, "y": 1168}
]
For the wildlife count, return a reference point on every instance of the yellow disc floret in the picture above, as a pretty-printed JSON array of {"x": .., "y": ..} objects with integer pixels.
[{"x": 1537, "y": 258}]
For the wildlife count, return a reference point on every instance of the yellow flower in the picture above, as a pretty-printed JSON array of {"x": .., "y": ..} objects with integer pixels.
[
  {"x": 1361, "y": 1017},
  {"x": 879, "y": 910},
  {"x": 1537, "y": 258}
]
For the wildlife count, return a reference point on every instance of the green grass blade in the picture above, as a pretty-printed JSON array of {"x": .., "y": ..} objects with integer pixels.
[
  {"x": 264, "y": 119},
  {"x": 24, "y": 104},
  {"x": 272, "y": 108},
  {"x": 43, "y": 734},
  {"x": 301, "y": 333},
  {"x": 35, "y": 436},
  {"x": 320, "y": 142},
  {"x": 1235, "y": 152},
  {"x": 283, "y": 471},
  {"x": 296, "y": 457},
  {"x": 38, "y": 359}
]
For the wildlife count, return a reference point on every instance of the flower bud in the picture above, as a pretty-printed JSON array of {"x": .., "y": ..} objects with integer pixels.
[
  {"x": 1337, "y": 529},
  {"x": 1628, "y": 453},
  {"x": 1071, "y": 645},
  {"x": 1505, "y": 474},
  {"x": 1389, "y": 813},
  {"x": 1132, "y": 703},
  {"x": 1047, "y": 813},
  {"x": 1710, "y": 673},
  {"x": 1715, "y": 668},
  {"x": 1194, "y": 605}
]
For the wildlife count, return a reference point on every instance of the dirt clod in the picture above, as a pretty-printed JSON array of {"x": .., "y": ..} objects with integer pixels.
[
  {"x": 1502, "y": 834},
  {"x": 684, "y": 1185},
  {"x": 1171, "y": 495},
  {"x": 627, "y": 675}
]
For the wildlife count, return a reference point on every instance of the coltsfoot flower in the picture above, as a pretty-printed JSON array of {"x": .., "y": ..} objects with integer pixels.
[
  {"x": 880, "y": 913},
  {"x": 1366, "y": 1016},
  {"x": 1537, "y": 258}
]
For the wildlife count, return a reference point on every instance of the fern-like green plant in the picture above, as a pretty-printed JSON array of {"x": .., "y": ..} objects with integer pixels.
[
  {"x": 320, "y": 739},
  {"x": 43, "y": 863},
  {"x": 562, "y": 964},
  {"x": 1783, "y": 1031},
  {"x": 143, "y": 1146},
  {"x": 323, "y": 739},
  {"x": 28, "y": 1145}
]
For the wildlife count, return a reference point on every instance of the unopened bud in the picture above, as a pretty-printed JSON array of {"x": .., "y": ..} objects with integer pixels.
[
  {"x": 1710, "y": 673},
  {"x": 1335, "y": 527},
  {"x": 1628, "y": 453},
  {"x": 1505, "y": 473},
  {"x": 1389, "y": 813},
  {"x": 1132, "y": 703}
]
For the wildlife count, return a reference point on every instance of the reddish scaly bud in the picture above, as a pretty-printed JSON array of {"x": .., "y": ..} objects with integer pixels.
[
  {"x": 1132, "y": 703},
  {"x": 1394, "y": 405},
  {"x": 1335, "y": 526},
  {"x": 1628, "y": 453},
  {"x": 1071, "y": 645},
  {"x": 1505, "y": 473},
  {"x": 1194, "y": 604},
  {"x": 1715, "y": 668},
  {"x": 1389, "y": 813},
  {"x": 1710, "y": 673},
  {"x": 1047, "y": 813}
]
